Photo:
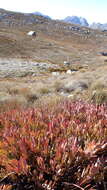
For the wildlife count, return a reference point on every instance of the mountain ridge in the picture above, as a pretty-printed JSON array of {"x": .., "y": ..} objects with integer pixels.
[{"x": 8, "y": 17}]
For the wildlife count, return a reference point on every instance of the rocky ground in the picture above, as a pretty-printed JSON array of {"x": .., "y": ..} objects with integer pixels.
[
  {"x": 34, "y": 68},
  {"x": 21, "y": 68},
  {"x": 25, "y": 83}
]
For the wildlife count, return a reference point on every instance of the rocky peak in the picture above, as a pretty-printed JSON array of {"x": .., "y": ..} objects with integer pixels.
[{"x": 76, "y": 20}]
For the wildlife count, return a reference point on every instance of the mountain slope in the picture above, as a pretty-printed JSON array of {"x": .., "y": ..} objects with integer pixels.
[
  {"x": 15, "y": 18},
  {"x": 55, "y": 42}
]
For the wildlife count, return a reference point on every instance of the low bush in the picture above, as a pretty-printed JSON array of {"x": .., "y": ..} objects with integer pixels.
[
  {"x": 99, "y": 96},
  {"x": 54, "y": 148},
  {"x": 44, "y": 90}
]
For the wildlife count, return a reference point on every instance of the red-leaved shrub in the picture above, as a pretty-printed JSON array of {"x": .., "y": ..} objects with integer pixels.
[{"x": 59, "y": 148}]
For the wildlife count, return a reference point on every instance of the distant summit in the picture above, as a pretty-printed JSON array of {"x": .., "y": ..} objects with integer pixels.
[
  {"x": 99, "y": 26},
  {"x": 76, "y": 20},
  {"x": 83, "y": 22},
  {"x": 40, "y": 14}
]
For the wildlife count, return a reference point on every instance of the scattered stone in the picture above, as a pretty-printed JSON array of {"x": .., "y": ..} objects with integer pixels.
[
  {"x": 55, "y": 73},
  {"x": 64, "y": 94},
  {"x": 20, "y": 68},
  {"x": 69, "y": 72},
  {"x": 103, "y": 53},
  {"x": 70, "y": 96},
  {"x": 66, "y": 63},
  {"x": 34, "y": 74}
]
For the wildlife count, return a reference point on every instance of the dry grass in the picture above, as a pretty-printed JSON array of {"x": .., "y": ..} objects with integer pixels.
[
  {"x": 52, "y": 45},
  {"x": 15, "y": 102},
  {"x": 44, "y": 90},
  {"x": 99, "y": 96},
  {"x": 28, "y": 91},
  {"x": 57, "y": 85}
]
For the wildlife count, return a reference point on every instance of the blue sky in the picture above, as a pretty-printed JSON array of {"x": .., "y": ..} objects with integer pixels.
[{"x": 92, "y": 10}]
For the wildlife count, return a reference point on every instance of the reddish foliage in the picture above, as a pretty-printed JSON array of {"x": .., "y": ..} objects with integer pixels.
[{"x": 64, "y": 147}]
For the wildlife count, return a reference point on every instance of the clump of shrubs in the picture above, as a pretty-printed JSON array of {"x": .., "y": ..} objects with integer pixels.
[{"x": 58, "y": 148}]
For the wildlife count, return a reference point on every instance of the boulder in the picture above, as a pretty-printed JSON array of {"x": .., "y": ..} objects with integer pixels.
[
  {"x": 66, "y": 63},
  {"x": 31, "y": 33}
]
